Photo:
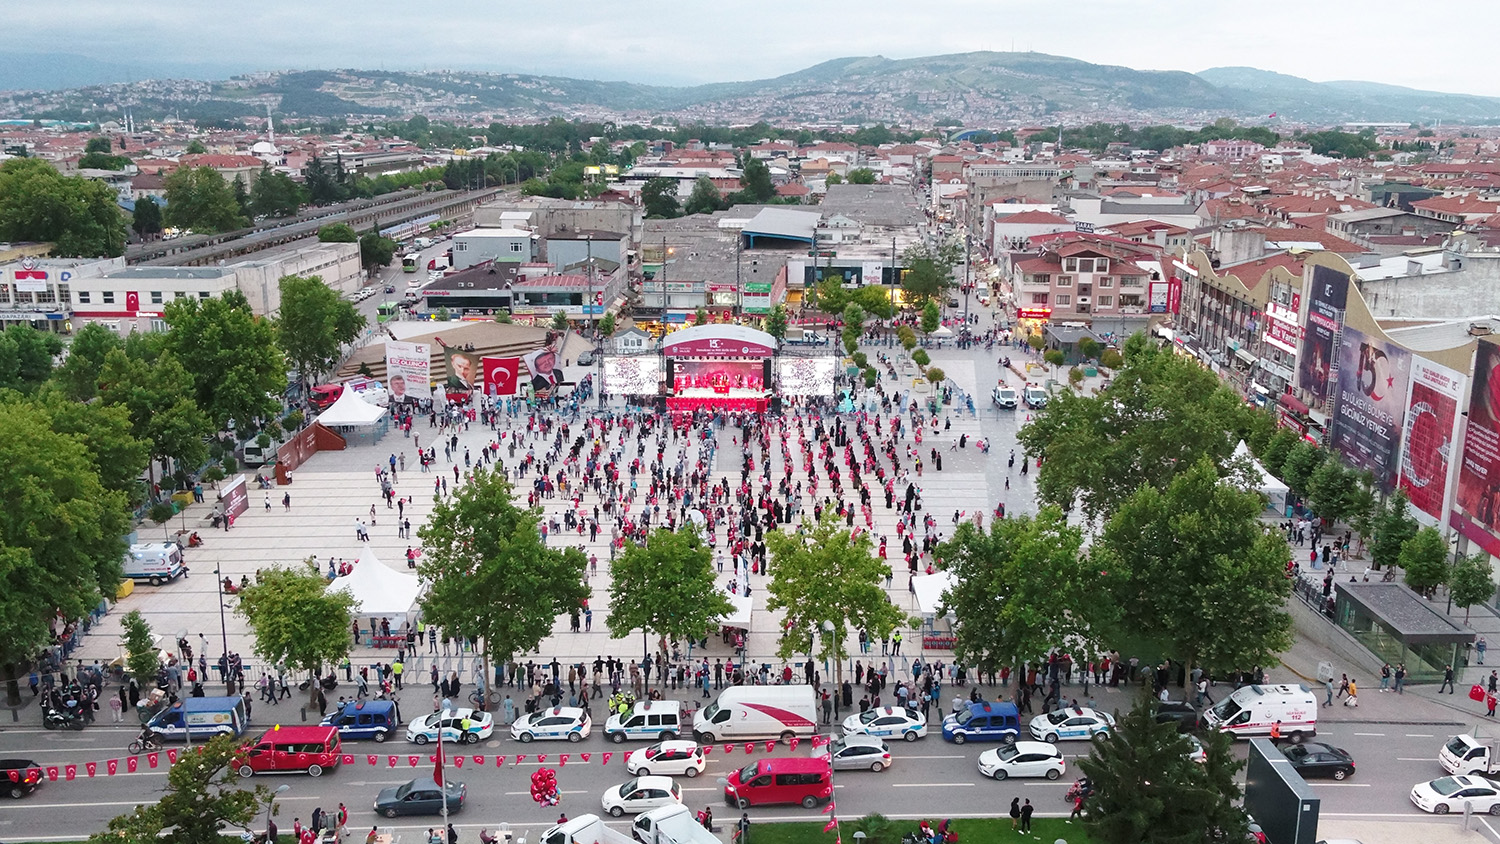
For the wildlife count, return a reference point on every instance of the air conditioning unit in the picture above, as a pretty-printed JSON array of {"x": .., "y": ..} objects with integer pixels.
[{"x": 1083, "y": 300}]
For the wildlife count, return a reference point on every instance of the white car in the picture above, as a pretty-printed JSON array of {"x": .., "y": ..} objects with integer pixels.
[
  {"x": 1076, "y": 723},
  {"x": 855, "y": 753},
  {"x": 887, "y": 722},
  {"x": 1023, "y": 759},
  {"x": 555, "y": 724},
  {"x": 641, "y": 794},
  {"x": 1199, "y": 753},
  {"x": 1447, "y": 794},
  {"x": 668, "y": 757},
  {"x": 458, "y": 725}
]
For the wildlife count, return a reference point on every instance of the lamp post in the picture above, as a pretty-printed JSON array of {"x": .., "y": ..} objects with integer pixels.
[
  {"x": 271, "y": 806},
  {"x": 838, "y": 665},
  {"x": 968, "y": 249}
]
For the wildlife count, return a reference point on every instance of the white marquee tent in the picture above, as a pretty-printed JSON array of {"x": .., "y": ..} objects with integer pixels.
[
  {"x": 349, "y": 410},
  {"x": 379, "y": 590},
  {"x": 740, "y": 615},
  {"x": 929, "y": 589},
  {"x": 1263, "y": 481}
]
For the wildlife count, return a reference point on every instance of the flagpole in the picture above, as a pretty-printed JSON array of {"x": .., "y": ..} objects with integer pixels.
[{"x": 437, "y": 770}]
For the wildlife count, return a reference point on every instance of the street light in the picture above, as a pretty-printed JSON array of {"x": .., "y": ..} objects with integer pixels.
[
  {"x": 838, "y": 665},
  {"x": 270, "y": 807}
]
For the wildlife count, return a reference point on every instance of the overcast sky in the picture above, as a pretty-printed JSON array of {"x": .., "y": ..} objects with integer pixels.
[{"x": 1392, "y": 41}]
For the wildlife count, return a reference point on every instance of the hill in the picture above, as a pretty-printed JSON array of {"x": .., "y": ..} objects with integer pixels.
[{"x": 1264, "y": 91}]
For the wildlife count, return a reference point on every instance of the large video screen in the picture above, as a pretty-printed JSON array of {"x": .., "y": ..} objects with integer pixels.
[
  {"x": 632, "y": 376},
  {"x": 718, "y": 375},
  {"x": 807, "y": 376}
]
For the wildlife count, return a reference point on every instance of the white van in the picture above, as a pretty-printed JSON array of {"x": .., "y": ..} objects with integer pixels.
[
  {"x": 154, "y": 562},
  {"x": 424, "y": 243},
  {"x": 648, "y": 720},
  {"x": 1253, "y": 710},
  {"x": 755, "y": 712}
]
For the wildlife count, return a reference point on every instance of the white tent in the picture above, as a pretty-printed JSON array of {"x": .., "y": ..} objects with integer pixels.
[
  {"x": 1264, "y": 482},
  {"x": 929, "y": 589},
  {"x": 943, "y": 331},
  {"x": 351, "y": 411},
  {"x": 378, "y": 589},
  {"x": 740, "y": 615}
]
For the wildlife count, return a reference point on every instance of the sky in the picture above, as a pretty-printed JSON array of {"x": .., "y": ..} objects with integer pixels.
[{"x": 677, "y": 43}]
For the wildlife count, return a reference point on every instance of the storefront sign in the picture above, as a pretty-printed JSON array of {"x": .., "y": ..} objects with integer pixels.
[{"x": 1034, "y": 313}]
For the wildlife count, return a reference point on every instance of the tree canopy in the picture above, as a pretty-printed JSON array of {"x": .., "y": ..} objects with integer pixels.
[
  {"x": 665, "y": 586},
  {"x": 79, "y": 216},
  {"x": 198, "y": 198},
  {"x": 315, "y": 324},
  {"x": 337, "y": 233},
  {"x": 275, "y": 194},
  {"x": 238, "y": 370},
  {"x": 147, "y": 217},
  {"x": 204, "y": 796},
  {"x": 659, "y": 197},
  {"x": 297, "y": 620}
]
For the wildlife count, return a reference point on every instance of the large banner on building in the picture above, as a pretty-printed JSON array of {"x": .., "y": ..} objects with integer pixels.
[
  {"x": 1370, "y": 404},
  {"x": 502, "y": 376},
  {"x": 1325, "y": 316},
  {"x": 408, "y": 370},
  {"x": 464, "y": 369},
  {"x": 1476, "y": 508},
  {"x": 542, "y": 367},
  {"x": 1431, "y": 431},
  {"x": 806, "y": 376},
  {"x": 632, "y": 375}
]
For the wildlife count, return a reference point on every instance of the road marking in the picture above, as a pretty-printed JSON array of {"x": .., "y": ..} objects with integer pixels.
[
  {"x": 1414, "y": 759},
  {"x": 1419, "y": 735},
  {"x": 1340, "y": 784},
  {"x": 932, "y": 785},
  {"x": 519, "y": 793},
  {"x": 1371, "y": 734},
  {"x": 956, "y": 756}
]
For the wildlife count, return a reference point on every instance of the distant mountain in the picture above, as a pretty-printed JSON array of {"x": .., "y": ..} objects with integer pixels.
[
  {"x": 59, "y": 71},
  {"x": 973, "y": 89},
  {"x": 1297, "y": 98}
]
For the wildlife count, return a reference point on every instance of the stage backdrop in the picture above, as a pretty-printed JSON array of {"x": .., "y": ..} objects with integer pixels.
[{"x": 638, "y": 375}]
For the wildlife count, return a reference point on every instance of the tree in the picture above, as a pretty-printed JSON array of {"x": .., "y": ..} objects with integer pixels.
[
  {"x": 198, "y": 198},
  {"x": 1111, "y": 359},
  {"x": 755, "y": 182},
  {"x": 932, "y": 318},
  {"x": 861, "y": 176},
  {"x": 275, "y": 194},
  {"x": 203, "y": 798},
  {"x": 1331, "y": 489},
  {"x": 491, "y": 577},
  {"x": 26, "y": 356},
  {"x": 1054, "y": 358},
  {"x": 79, "y": 216},
  {"x": 1192, "y": 568},
  {"x": 297, "y": 620},
  {"x": 315, "y": 324},
  {"x": 1018, "y": 590},
  {"x": 1160, "y": 414},
  {"x": 1393, "y": 527},
  {"x": 1471, "y": 582},
  {"x": 195, "y": 147},
  {"x": 238, "y": 370},
  {"x": 659, "y": 197},
  {"x": 241, "y": 197},
  {"x": 560, "y": 321},
  {"x": 99, "y": 145},
  {"x": 1276, "y": 451},
  {"x": 776, "y": 322},
  {"x": 61, "y": 551},
  {"x": 935, "y": 375},
  {"x": 607, "y": 324},
  {"x": 107, "y": 437},
  {"x": 1036, "y": 342},
  {"x": 705, "y": 198},
  {"x": 1300, "y": 464},
  {"x": 665, "y": 586},
  {"x": 700, "y": 317},
  {"x": 1424, "y": 561},
  {"x": 323, "y": 186},
  {"x": 833, "y": 179},
  {"x": 928, "y": 271},
  {"x": 337, "y": 233},
  {"x": 376, "y": 251},
  {"x": 1089, "y": 348},
  {"x": 147, "y": 217},
  {"x": 140, "y": 648},
  {"x": 920, "y": 357},
  {"x": 827, "y": 579},
  {"x": 160, "y": 400},
  {"x": 1147, "y": 791}
]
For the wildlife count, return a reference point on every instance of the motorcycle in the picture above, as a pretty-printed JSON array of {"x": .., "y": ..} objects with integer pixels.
[
  {"x": 328, "y": 683},
  {"x": 62, "y": 719},
  {"x": 146, "y": 742},
  {"x": 1080, "y": 788}
]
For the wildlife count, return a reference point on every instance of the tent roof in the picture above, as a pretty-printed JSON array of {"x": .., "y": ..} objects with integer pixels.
[
  {"x": 929, "y": 589},
  {"x": 379, "y": 589},
  {"x": 350, "y": 409},
  {"x": 740, "y": 615},
  {"x": 1268, "y": 482},
  {"x": 784, "y": 223}
]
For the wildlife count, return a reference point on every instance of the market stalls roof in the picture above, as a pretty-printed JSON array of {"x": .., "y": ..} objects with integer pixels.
[
  {"x": 351, "y": 410},
  {"x": 378, "y": 589},
  {"x": 721, "y": 341},
  {"x": 782, "y": 224}
]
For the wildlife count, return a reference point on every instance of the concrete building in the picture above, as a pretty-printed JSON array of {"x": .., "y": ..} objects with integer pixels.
[
  {"x": 564, "y": 249},
  {"x": 547, "y": 216},
  {"x": 485, "y": 244},
  {"x": 1107, "y": 282}
]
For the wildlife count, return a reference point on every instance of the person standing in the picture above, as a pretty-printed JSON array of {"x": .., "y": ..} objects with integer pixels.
[
  {"x": 742, "y": 829},
  {"x": 1480, "y": 646},
  {"x": 1015, "y": 812},
  {"x": 1447, "y": 680},
  {"x": 1026, "y": 810},
  {"x": 1400, "y": 678}
]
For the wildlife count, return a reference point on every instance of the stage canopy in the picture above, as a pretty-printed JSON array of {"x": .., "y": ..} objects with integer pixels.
[
  {"x": 380, "y": 590},
  {"x": 740, "y": 615},
  {"x": 718, "y": 341},
  {"x": 351, "y": 411},
  {"x": 929, "y": 589}
]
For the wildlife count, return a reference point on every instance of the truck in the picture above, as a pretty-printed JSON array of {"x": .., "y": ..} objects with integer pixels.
[
  {"x": 671, "y": 825},
  {"x": 154, "y": 562},
  {"x": 758, "y": 712},
  {"x": 204, "y": 717},
  {"x": 1468, "y": 754},
  {"x": 584, "y": 829}
]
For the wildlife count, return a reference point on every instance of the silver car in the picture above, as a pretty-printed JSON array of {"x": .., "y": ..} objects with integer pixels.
[{"x": 856, "y": 753}]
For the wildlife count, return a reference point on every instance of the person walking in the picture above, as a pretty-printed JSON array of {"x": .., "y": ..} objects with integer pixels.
[
  {"x": 1353, "y": 698},
  {"x": 1447, "y": 680},
  {"x": 1026, "y": 810},
  {"x": 1480, "y": 646},
  {"x": 1276, "y": 733},
  {"x": 1328, "y": 687}
]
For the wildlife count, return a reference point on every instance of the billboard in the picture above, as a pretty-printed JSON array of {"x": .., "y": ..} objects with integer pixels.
[
  {"x": 408, "y": 370},
  {"x": 807, "y": 376},
  {"x": 638, "y": 375},
  {"x": 1282, "y": 328},
  {"x": 1430, "y": 431},
  {"x": 542, "y": 367},
  {"x": 502, "y": 376},
  {"x": 464, "y": 369},
  {"x": 1370, "y": 404},
  {"x": 1476, "y": 508},
  {"x": 1325, "y": 316}
]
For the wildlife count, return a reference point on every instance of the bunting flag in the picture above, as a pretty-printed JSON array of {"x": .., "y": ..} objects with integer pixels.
[
  {"x": 832, "y": 822},
  {"x": 749, "y": 747},
  {"x": 562, "y": 760},
  {"x": 541, "y": 758},
  {"x": 499, "y": 761},
  {"x": 372, "y": 759},
  {"x": 728, "y": 748},
  {"x": 131, "y": 764},
  {"x": 391, "y": 761},
  {"x": 479, "y": 760},
  {"x": 458, "y": 761},
  {"x": 829, "y": 808},
  {"x": 794, "y": 742},
  {"x": 151, "y": 759},
  {"x": 112, "y": 766},
  {"x": 70, "y": 771},
  {"x": 605, "y": 760},
  {"x": 172, "y": 755},
  {"x": 520, "y": 757},
  {"x": 349, "y": 759},
  {"x": 707, "y": 749},
  {"x": 585, "y": 757},
  {"x": 413, "y": 760},
  {"x": 770, "y": 745},
  {"x": 52, "y": 773}
]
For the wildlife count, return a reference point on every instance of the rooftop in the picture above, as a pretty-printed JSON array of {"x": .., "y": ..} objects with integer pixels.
[{"x": 1404, "y": 611}]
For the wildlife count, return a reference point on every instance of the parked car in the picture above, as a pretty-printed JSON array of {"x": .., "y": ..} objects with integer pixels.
[
  {"x": 1005, "y": 397},
  {"x": 1316, "y": 759},
  {"x": 1179, "y": 712},
  {"x": 1445, "y": 794},
  {"x": 641, "y": 794},
  {"x": 1023, "y": 759},
  {"x": 668, "y": 757},
  {"x": 422, "y": 796},
  {"x": 1073, "y": 723}
]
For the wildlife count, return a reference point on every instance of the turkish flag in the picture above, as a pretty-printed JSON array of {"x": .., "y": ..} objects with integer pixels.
[
  {"x": 541, "y": 758},
  {"x": 520, "y": 757},
  {"x": 112, "y": 766},
  {"x": 770, "y": 745},
  {"x": 458, "y": 761},
  {"x": 829, "y": 808},
  {"x": 584, "y": 757},
  {"x": 172, "y": 755},
  {"x": 391, "y": 760},
  {"x": 605, "y": 760},
  {"x": 499, "y": 761},
  {"x": 132, "y": 301},
  {"x": 348, "y": 758},
  {"x": 562, "y": 760},
  {"x": 479, "y": 760},
  {"x": 413, "y": 760},
  {"x": 70, "y": 771},
  {"x": 728, "y": 748},
  {"x": 131, "y": 764},
  {"x": 151, "y": 759},
  {"x": 828, "y": 827},
  {"x": 501, "y": 375},
  {"x": 372, "y": 759},
  {"x": 52, "y": 773},
  {"x": 794, "y": 742},
  {"x": 749, "y": 747}
]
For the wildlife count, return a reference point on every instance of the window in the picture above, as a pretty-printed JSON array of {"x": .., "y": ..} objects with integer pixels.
[
  {"x": 460, "y": 246},
  {"x": 1041, "y": 278},
  {"x": 1106, "y": 282},
  {"x": 1106, "y": 301},
  {"x": 64, "y": 293},
  {"x": 108, "y": 296},
  {"x": 156, "y": 297},
  {"x": 1064, "y": 281},
  {"x": 515, "y": 247},
  {"x": 181, "y": 294},
  {"x": 1070, "y": 265},
  {"x": 204, "y": 294},
  {"x": 83, "y": 297},
  {"x": 1064, "y": 300},
  {"x": 1039, "y": 298}
]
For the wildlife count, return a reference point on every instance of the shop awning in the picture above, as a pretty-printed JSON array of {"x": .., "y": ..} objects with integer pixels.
[{"x": 1292, "y": 403}]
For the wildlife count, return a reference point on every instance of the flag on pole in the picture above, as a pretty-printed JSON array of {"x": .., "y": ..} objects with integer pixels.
[{"x": 437, "y": 759}]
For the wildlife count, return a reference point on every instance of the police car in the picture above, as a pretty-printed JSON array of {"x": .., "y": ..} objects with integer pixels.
[
  {"x": 557, "y": 723},
  {"x": 458, "y": 725},
  {"x": 983, "y": 720},
  {"x": 1074, "y": 723},
  {"x": 887, "y": 722}
]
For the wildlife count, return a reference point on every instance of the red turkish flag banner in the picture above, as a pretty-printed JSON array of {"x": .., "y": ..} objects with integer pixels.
[
  {"x": 172, "y": 755},
  {"x": 348, "y": 758},
  {"x": 541, "y": 758},
  {"x": 69, "y": 772},
  {"x": 391, "y": 760},
  {"x": 479, "y": 760},
  {"x": 605, "y": 760},
  {"x": 794, "y": 742},
  {"x": 828, "y": 827},
  {"x": 585, "y": 757},
  {"x": 112, "y": 766},
  {"x": 520, "y": 757},
  {"x": 413, "y": 760},
  {"x": 458, "y": 761},
  {"x": 829, "y": 808},
  {"x": 728, "y": 748},
  {"x": 151, "y": 759},
  {"x": 372, "y": 759},
  {"x": 749, "y": 747},
  {"x": 15, "y": 776},
  {"x": 499, "y": 761},
  {"x": 770, "y": 745},
  {"x": 707, "y": 749},
  {"x": 132, "y": 763},
  {"x": 562, "y": 760},
  {"x": 52, "y": 773}
]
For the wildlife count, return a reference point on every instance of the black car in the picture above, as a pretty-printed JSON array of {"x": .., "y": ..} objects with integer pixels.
[
  {"x": 1315, "y": 759},
  {"x": 19, "y": 777},
  {"x": 421, "y": 796},
  {"x": 1179, "y": 712}
]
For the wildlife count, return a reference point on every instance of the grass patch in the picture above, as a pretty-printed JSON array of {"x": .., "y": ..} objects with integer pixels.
[{"x": 882, "y": 831}]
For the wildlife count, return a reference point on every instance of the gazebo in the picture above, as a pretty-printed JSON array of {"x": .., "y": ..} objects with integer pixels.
[
  {"x": 350, "y": 414},
  {"x": 380, "y": 592}
]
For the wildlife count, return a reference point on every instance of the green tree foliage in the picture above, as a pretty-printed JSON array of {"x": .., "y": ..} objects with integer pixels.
[
  {"x": 140, "y": 648},
  {"x": 376, "y": 250},
  {"x": 607, "y": 324},
  {"x": 159, "y": 398},
  {"x": 147, "y": 217},
  {"x": 337, "y": 233},
  {"x": 107, "y": 437},
  {"x": 315, "y": 324},
  {"x": 821, "y": 573},
  {"x": 935, "y": 375},
  {"x": 1331, "y": 490},
  {"x": 700, "y": 317},
  {"x": 98, "y": 154},
  {"x": 705, "y": 198},
  {"x": 198, "y": 198},
  {"x": 78, "y": 215},
  {"x": 666, "y": 587},
  {"x": 1301, "y": 462},
  {"x": 1089, "y": 348},
  {"x": 61, "y": 541},
  {"x": 659, "y": 198},
  {"x": 1097, "y": 136},
  {"x": 776, "y": 322},
  {"x": 1392, "y": 527},
  {"x": 491, "y": 577},
  {"x": 755, "y": 183},
  {"x": 1471, "y": 582},
  {"x": 1160, "y": 415},
  {"x": 203, "y": 798},
  {"x": 297, "y": 620},
  {"x": 1147, "y": 790},
  {"x": 26, "y": 356},
  {"x": 195, "y": 147},
  {"x": 1424, "y": 561},
  {"x": 560, "y": 321},
  {"x": 323, "y": 185},
  {"x": 1111, "y": 359},
  {"x": 98, "y": 145},
  {"x": 237, "y": 367},
  {"x": 1054, "y": 357},
  {"x": 920, "y": 357},
  {"x": 241, "y": 197},
  {"x": 1194, "y": 569},
  {"x": 275, "y": 194},
  {"x": 1341, "y": 144},
  {"x": 1273, "y": 456},
  {"x": 1018, "y": 589},
  {"x": 861, "y": 176},
  {"x": 833, "y": 179},
  {"x": 932, "y": 319},
  {"x": 924, "y": 277}
]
